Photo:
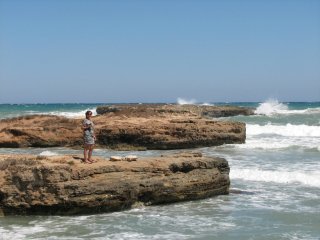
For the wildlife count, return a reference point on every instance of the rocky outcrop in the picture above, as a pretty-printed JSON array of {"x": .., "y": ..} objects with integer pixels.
[
  {"x": 169, "y": 133},
  {"x": 156, "y": 109},
  {"x": 129, "y": 126},
  {"x": 40, "y": 131},
  {"x": 63, "y": 185}
]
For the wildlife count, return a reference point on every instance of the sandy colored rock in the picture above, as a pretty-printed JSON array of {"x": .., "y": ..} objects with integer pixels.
[
  {"x": 135, "y": 127},
  {"x": 63, "y": 185},
  {"x": 130, "y": 158},
  {"x": 115, "y": 158},
  {"x": 174, "y": 109}
]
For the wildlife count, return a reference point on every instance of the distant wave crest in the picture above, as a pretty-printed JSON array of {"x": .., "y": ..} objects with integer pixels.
[
  {"x": 182, "y": 101},
  {"x": 271, "y": 107},
  {"x": 72, "y": 114}
]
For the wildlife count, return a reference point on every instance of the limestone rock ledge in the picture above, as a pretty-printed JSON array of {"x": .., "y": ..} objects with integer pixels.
[
  {"x": 63, "y": 185},
  {"x": 130, "y": 127},
  {"x": 156, "y": 109}
]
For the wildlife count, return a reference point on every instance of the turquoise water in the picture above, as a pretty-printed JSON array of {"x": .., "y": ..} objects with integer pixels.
[
  {"x": 275, "y": 187},
  {"x": 68, "y": 109}
]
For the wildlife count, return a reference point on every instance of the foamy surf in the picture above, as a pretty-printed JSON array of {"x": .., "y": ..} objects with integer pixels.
[
  {"x": 274, "y": 107},
  {"x": 270, "y": 107},
  {"x": 182, "y": 101},
  {"x": 281, "y": 144},
  {"x": 80, "y": 114},
  {"x": 310, "y": 179},
  {"x": 288, "y": 130}
]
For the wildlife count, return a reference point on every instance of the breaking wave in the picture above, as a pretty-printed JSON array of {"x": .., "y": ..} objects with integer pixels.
[
  {"x": 182, "y": 101},
  {"x": 288, "y": 130},
  {"x": 310, "y": 179},
  {"x": 311, "y": 145},
  {"x": 72, "y": 114},
  {"x": 273, "y": 107}
]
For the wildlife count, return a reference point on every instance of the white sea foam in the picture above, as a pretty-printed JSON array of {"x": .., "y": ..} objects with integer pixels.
[
  {"x": 303, "y": 111},
  {"x": 78, "y": 114},
  {"x": 265, "y": 144},
  {"x": 311, "y": 178},
  {"x": 20, "y": 232},
  {"x": 276, "y": 143},
  {"x": 282, "y": 136},
  {"x": 288, "y": 130},
  {"x": 48, "y": 153},
  {"x": 271, "y": 107},
  {"x": 182, "y": 101},
  {"x": 207, "y": 104}
]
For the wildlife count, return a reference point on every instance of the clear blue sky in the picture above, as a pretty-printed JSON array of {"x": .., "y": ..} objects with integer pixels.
[{"x": 159, "y": 50}]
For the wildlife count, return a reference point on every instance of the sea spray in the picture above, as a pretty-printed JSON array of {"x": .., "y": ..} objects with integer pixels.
[
  {"x": 270, "y": 107},
  {"x": 182, "y": 101}
]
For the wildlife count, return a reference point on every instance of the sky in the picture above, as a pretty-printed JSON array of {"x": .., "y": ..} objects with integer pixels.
[{"x": 100, "y": 51}]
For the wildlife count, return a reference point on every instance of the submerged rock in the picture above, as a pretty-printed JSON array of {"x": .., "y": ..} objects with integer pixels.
[{"x": 65, "y": 186}]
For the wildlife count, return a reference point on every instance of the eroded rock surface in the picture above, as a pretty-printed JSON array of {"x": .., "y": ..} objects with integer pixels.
[
  {"x": 197, "y": 110},
  {"x": 63, "y": 185},
  {"x": 130, "y": 126}
]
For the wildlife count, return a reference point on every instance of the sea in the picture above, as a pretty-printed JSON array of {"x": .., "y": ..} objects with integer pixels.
[{"x": 274, "y": 193}]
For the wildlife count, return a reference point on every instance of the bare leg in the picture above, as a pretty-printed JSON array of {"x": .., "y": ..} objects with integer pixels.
[
  {"x": 90, "y": 153},
  {"x": 85, "y": 154}
]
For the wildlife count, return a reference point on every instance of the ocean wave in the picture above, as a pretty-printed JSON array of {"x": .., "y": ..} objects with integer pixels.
[
  {"x": 77, "y": 114},
  {"x": 271, "y": 107},
  {"x": 288, "y": 130},
  {"x": 67, "y": 114},
  {"x": 303, "y": 111},
  {"x": 206, "y": 104},
  {"x": 274, "y": 107},
  {"x": 310, "y": 179},
  {"x": 309, "y": 145},
  {"x": 72, "y": 114},
  {"x": 182, "y": 101}
]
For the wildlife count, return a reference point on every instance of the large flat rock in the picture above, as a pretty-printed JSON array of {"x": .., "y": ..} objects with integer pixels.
[
  {"x": 64, "y": 185},
  {"x": 129, "y": 126},
  {"x": 160, "y": 109}
]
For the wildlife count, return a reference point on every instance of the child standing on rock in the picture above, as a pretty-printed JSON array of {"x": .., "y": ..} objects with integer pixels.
[{"x": 88, "y": 137}]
